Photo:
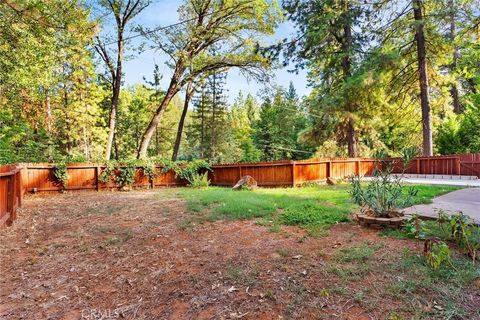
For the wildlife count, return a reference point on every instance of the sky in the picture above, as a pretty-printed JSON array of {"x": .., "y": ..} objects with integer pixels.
[{"x": 164, "y": 12}]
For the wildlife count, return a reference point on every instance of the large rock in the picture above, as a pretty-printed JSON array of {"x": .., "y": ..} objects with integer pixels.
[
  {"x": 331, "y": 181},
  {"x": 246, "y": 182}
]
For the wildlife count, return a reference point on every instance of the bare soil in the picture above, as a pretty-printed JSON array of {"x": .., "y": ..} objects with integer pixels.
[{"x": 141, "y": 255}]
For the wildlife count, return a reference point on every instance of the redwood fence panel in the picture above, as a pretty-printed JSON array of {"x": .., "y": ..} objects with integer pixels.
[
  {"x": 11, "y": 193},
  {"x": 470, "y": 164},
  {"x": 460, "y": 165},
  {"x": 275, "y": 173},
  {"x": 85, "y": 176},
  {"x": 288, "y": 173}
]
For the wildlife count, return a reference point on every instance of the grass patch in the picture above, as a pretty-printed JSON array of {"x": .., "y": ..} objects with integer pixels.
[
  {"x": 291, "y": 206},
  {"x": 360, "y": 253},
  {"x": 445, "y": 285},
  {"x": 315, "y": 207},
  {"x": 318, "y": 231},
  {"x": 430, "y": 229},
  {"x": 349, "y": 273}
]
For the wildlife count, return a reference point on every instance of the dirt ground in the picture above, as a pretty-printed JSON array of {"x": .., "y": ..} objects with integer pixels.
[{"x": 136, "y": 255}]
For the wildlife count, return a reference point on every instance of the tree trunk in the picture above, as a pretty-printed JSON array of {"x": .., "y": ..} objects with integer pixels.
[
  {"x": 115, "y": 146},
  {"x": 157, "y": 148},
  {"x": 49, "y": 114},
  {"x": 214, "y": 106},
  {"x": 171, "y": 92},
  {"x": 116, "y": 84},
  {"x": 352, "y": 140},
  {"x": 188, "y": 95},
  {"x": 347, "y": 72},
  {"x": 423, "y": 78},
  {"x": 457, "y": 107}
]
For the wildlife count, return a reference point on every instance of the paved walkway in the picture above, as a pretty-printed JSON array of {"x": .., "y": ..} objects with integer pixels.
[
  {"x": 465, "y": 200},
  {"x": 445, "y": 182},
  {"x": 448, "y": 182}
]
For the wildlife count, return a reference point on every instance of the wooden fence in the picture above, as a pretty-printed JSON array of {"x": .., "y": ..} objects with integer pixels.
[
  {"x": 460, "y": 165},
  {"x": 11, "y": 193},
  {"x": 290, "y": 173},
  {"x": 35, "y": 177},
  {"x": 39, "y": 178}
]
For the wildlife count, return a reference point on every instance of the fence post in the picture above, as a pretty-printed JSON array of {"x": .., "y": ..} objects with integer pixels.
[
  {"x": 293, "y": 174},
  {"x": 329, "y": 165},
  {"x": 97, "y": 174},
  {"x": 357, "y": 167},
  {"x": 240, "y": 172},
  {"x": 457, "y": 166},
  {"x": 418, "y": 166},
  {"x": 18, "y": 177},
  {"x": 11, "y": 199}
]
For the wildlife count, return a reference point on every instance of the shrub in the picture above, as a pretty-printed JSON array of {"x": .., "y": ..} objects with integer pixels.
[
  {"x": 465, "y": 234},
  {"x": 126, "y": 175},
  {"x": 384, "y": 193},
  {"x": 121, "y": 174},
  {"x": 415, "y": 227},
  {"x": 199, "y": 180},
  {"x": 61, "y": 174},
  {"x": 108, "y": 173},
  {"x": 186, "y": 170},
  {"x": 437, "y": 253},
  {"x": 150, "y": 170}
]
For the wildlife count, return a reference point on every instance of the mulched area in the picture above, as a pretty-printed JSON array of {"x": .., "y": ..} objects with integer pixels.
[{"x": 131, "y": 255}]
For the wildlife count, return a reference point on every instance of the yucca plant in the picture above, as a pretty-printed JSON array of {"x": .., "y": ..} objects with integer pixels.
[{"x": 385, "y": 193}]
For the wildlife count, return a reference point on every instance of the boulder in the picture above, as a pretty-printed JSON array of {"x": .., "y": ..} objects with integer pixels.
[
  {"x": 246, "y": 182},
  {"x": 331, "y": 181}
]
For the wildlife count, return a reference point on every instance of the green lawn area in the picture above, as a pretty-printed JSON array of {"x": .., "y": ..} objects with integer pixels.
[{"x": 307, "y": 206}]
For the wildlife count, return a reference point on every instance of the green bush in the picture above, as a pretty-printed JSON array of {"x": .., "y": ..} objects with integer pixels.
[
  {"x": 61, "y": 174},
  {"x": 186, "y": 170},
  {"x": 199, "y": 180},
  {"x": 123, "y": 174},
  {"x": 466, "y": 234},
  {"x": 126, "y": 175},
  {"x": 108, "y": 173},
  {"x": 459, "y": 133},
  {"x": 150, "y": 170}
]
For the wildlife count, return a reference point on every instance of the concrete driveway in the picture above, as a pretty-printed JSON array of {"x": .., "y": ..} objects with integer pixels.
[{"x": 465, "y": 200}]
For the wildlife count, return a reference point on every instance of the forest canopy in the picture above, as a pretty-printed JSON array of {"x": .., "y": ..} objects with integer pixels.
[{"x": 382, "y": 75}]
